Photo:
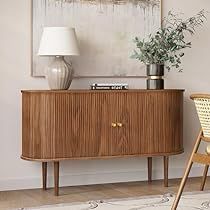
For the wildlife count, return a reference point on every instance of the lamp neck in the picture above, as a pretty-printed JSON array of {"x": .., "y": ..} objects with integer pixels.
[{"x": 59, "y": 56}]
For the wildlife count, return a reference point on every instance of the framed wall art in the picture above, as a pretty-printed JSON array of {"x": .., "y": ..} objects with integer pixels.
[{"x": 105, "y": 30}]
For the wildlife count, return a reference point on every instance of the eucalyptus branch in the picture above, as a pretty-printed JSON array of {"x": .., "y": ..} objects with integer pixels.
[{"x": 166, "y": 45}]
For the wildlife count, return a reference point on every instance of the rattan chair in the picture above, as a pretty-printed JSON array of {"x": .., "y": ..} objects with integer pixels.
[{"x": 202, "y": 103}]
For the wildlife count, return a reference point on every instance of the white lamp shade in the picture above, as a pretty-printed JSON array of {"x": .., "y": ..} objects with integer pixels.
[{"x": 58, "y": 41}]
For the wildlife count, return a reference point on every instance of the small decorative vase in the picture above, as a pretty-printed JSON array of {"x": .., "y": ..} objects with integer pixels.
[
  {"x": 59, "y": 74},
  {"x": 155, "y": 73}
]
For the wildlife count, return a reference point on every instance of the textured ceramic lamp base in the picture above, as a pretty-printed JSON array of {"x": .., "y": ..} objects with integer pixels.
[{"x": 59, "y": 74}]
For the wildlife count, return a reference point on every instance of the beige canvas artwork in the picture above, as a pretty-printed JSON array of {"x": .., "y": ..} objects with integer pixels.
[{"x": 105, "y": 30}]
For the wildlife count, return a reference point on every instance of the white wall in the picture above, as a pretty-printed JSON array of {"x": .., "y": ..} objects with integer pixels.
[{"x": 15, "y": 75}]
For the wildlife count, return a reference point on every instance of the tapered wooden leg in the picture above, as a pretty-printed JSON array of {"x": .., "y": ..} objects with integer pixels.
[
  {"x": 44, "y": 175},
  {"x": 204, "y": 177},
  {"x": 182, "y": 185},
  {"x": 187, "y": 171},
  {"x": 149, "y": 162},
  {"x": 56, "y": 177},
  {"x": 165, "y": 161}
]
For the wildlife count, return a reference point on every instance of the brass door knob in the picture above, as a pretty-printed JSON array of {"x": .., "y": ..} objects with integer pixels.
[
  {"x": 120, "y": 125},
  {"x": 114, "y": 125}
]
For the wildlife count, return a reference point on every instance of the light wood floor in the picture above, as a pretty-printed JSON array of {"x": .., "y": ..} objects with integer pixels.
[{"x": 34, "y": 198}]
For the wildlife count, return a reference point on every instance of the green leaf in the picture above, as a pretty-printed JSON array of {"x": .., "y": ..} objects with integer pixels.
[{"x": 164, "y": 46}]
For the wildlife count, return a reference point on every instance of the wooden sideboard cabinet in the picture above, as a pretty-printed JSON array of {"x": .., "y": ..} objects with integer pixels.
[{"x": 86, "y": 124}]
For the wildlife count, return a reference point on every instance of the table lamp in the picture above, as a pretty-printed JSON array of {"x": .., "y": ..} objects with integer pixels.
[{"x": 59, "y": 42}]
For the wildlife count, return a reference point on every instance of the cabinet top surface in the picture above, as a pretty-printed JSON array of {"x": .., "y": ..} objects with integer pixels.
[{"x": 99, "y": 91}]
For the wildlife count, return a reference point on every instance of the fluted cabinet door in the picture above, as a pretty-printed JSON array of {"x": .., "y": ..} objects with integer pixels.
[
  {"x": 150, "y": 123},
  {"x": 160, "y": 120},
  {"x": 64, "y": 125},
  {"x": 124, "y": 138}
]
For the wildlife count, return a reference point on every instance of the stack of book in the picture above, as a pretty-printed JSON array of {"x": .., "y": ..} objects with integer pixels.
[{"x": 106, "y": 86}]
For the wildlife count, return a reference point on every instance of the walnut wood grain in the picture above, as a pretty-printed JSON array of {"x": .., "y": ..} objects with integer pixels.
[
  {"x": 56, "y": 178},
  {"x": 149, "y": 163},
  {"x": 166, "y": 161},
  {"x": 83, "y": 124},
  {"x": 102, "y": 158},
  {"x": 77, "y": 124},
  {"x": 44, "y": 175},
  {"x": 102, "y": 91}
]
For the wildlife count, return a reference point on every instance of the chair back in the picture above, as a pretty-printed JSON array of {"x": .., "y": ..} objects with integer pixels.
[{"x": 202, "y": 103}]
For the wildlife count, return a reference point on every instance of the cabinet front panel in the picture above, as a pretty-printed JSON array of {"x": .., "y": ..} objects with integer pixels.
[
  {"x": 152, "y": 123},
  {"x": 160, "y": 120},
  {"x": 100, "y": 124},
  {"x": 124, "y": 139},
  {"x": 64, "y": 125}
]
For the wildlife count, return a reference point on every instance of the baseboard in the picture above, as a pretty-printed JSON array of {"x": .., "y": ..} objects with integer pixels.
[{"x": 94, "y": 178}]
